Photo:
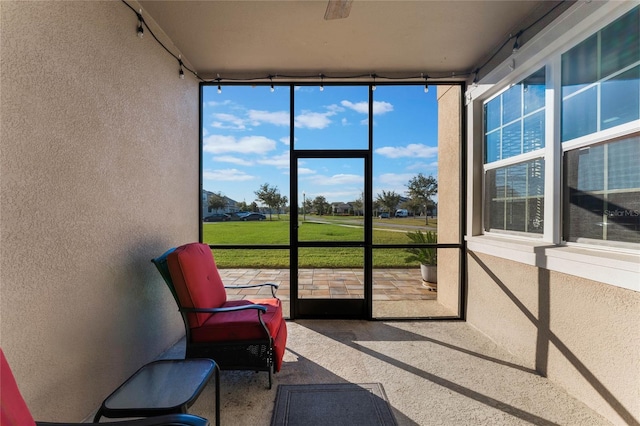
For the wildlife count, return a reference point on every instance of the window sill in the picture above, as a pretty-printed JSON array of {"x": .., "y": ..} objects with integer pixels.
[{"x": 609, "y": 267}]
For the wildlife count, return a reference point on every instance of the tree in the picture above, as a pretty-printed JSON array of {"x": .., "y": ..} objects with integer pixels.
[
  {"x": 321, "y": 206},
  {"x": 307, "y": 206},
  {"x": 422, "y": 188},
  {"x": 389, "y": 200},
  {"x": 242, "y": 206},
  {"x": 413, "y": 205},
  {"x": 375, "y": 207},
  {"x": 281, "y": 203},
  {"x": 216, "y": 201},
  {"x": 358, "y": 205},
  {"x": 253, "y": 207},
  {"x": 269, "y": 196}
]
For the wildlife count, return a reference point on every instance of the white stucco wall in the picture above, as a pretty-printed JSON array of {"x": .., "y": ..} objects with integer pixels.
[
  {"x": 98, "y": 174},
  {"x": 582, "y": 334},
  {"x": 572, "y": 312}
]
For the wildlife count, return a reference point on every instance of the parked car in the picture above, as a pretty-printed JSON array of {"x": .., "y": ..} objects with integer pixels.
[
  {"x": 253, "y": 216},
  {"x": 384, "y": 215},
  {"x": 217, "y": 217},
  {"x": 236, "y": 215}
]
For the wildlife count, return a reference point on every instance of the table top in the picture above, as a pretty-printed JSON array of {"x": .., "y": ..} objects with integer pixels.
[{"x": 162, "y": 385}]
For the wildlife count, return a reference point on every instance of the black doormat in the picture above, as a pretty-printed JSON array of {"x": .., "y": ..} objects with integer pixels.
[{"x": 347, "y": 404}]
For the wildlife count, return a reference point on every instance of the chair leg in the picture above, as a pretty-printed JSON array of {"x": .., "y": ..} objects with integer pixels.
[{"x": 270, "y": 378}]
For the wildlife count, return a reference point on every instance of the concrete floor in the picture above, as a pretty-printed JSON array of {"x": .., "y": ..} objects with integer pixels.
[{"x": 433, "y": 373}]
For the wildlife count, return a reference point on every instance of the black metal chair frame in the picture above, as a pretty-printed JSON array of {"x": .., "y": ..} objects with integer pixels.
[
  {"x": 165, "y": 420},
  {"x": 256, "y": 355}
]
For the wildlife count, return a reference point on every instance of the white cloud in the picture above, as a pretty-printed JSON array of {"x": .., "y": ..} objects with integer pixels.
[
  {"x": 345, "y": 179},
  {"x": 280, "y": 161},
  {"x": 218, "y": 144},
  {"x": 228, "y": 121},
  {"x": 205, "y": 132},
  {"x": 392, "y": 182},
  {"x": 229, "y": 175},
  {"x": 345, "y": 122},
  {"x": 233, "y": 160},
  {"x": 217, "y": 103},
  {"x": 338, "y": 179},
  {"x": 395, "y": 179},
  {"x": 335, "y": 108},
  {"x": 422, "y": 166},
  {"x": 313, "y": 120},
  {"x": 414, "y": 150},
  {"x": 379, "y": 107},
  {"x": 277, "y": 118},
  {"x": 287, "y": 140},
  {"x": 360, "y": 107},
  {"x": 306, "y": 171}
]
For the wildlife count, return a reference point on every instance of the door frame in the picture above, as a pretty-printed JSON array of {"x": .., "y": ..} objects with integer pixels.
[{"x": 332, "y": 308}]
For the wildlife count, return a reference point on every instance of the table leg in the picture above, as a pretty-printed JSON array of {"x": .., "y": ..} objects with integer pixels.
[{"x": 217, "y": 370}]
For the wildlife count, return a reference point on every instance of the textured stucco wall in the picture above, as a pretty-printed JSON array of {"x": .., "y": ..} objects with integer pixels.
[
  {"x": 99, "y": 173},
  {"x": 449, "y": 165},
  {"x": 582, "y": 334}
]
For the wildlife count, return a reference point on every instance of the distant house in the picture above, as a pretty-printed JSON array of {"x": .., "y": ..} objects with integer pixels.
[
  {"x": 341, "y": 208},
  {"x": 231, "y": 206}
]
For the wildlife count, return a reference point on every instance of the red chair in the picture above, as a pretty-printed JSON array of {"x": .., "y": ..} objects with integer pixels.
[
  {"x": 237, "y": 335},
  {"x": 14, "y": 410}
]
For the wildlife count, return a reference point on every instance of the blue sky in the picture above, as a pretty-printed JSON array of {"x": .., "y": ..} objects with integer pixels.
[{"x": 246, "y": 138}]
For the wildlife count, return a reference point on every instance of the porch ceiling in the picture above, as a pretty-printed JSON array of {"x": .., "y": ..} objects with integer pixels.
[{"x": 257, "y": 38}]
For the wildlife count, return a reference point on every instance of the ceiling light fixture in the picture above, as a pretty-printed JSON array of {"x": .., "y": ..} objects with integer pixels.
[
  {"x": 516, "y": 45},
  {"x": 475, "y": 77},
  {"x": 140, "y": 29}
]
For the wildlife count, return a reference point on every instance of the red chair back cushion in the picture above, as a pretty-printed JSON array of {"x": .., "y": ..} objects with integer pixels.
[
  {"x": 13, "y": 409},
  {"x": 196, "y": 279}
]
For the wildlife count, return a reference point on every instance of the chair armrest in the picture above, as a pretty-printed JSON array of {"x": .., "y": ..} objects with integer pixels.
[
  {"x": 166, "y": 420},
  {"x": 227, "y": 309},
  {"x": 273, "y": 286},
  {"x": 258, "y": 308}
]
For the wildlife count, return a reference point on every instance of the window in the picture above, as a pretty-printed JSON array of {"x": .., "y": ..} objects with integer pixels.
[
  {"x": 515, "y": 125},
  {"x": 600, "y": 91},
  {"x": 602, "y": 192},
  {"x": 515, "y": 201},
  {"x": 596, "y": 183},
  {"x": 601, "y": 79}
]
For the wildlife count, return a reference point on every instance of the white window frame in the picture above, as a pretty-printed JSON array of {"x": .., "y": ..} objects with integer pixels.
[
  {"x": 541, "y": 153},
  {"x": 610, "y": 265}
]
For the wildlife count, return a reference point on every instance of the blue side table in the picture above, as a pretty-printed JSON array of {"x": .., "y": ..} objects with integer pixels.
[{"x": 162, "y": 387}]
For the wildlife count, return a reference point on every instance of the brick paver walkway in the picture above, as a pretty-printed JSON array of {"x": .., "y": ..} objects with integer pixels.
[{"x": 388, "y": 284}]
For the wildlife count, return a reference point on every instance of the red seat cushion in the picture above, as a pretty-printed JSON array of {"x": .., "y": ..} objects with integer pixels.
[
  {"x": 279, "y": 344},
  {"x": 13, "y": 409},
  {"x": 196, "y": 280},
  {"x": 240, "y": 325}
]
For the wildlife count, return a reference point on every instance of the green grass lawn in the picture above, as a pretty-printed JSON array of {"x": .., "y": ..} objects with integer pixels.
[{"x": 277, "y": 232}]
